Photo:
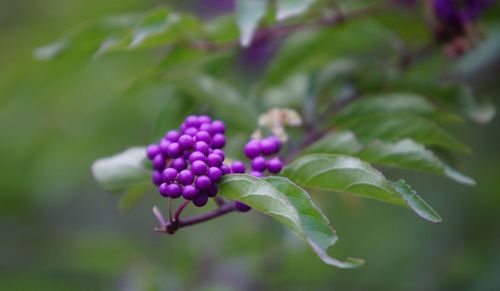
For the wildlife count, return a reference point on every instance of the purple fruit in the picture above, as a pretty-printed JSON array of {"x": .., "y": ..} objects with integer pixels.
[
  {"x": 203, "y": 183},
  {"x": 168, "y": 175},
  {"x": 238, "y": 167},
  {"x": 199, "y": 168},
  {"x": 185, "y": 177},
  {"x": 189, "y": 192},
  {"x": 152, "y": 151},
  {"x": 252, "y": 149},
  {"x": 215, "y": 174},
  {"x": 174, "y": 191},
  {"x": 186, "y": 142},
  {"x": 259, "y": 164},
  {"x": 275, "y": 165}
]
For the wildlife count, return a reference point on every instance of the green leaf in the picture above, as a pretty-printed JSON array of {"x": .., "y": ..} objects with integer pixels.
[
  {"x": 415, "y": 202},
  {"x": 248, "y": 15},
  {"x": 281, "y": 199},
  {"x": 397, "y": 126},
  {"x": 132, "y": 195},
  {"x": 288, "y": 8},
  {"x": 350, "y": 175},
  {"x": 405, "y": 154},
  {"x": 122, "y": 170}
]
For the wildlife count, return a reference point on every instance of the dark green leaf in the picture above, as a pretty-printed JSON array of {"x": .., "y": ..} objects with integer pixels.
[
  {"x": 281, "y": 199},
  {"x": 351, "y": 175}
]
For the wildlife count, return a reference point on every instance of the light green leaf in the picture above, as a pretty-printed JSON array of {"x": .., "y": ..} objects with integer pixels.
[
  {"x": 248, "y": 15},
  {"x": 287, "y": 8},
  {"x": 281, "y": 199},
  {"x": 350, "y": 175},
  {"x": 122, "y": 170},
  {"x": 415, "y": 202},
  {"x": 338, "y": 142},
  {"x": 397, "y": 126}
]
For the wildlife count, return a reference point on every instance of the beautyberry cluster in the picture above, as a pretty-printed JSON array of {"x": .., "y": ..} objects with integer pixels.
[
  {"x": 188, "y": 162},
  {"x": 263, "y": 155}
]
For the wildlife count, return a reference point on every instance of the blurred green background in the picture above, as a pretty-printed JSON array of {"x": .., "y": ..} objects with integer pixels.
[{"x": 60, "y": 231}]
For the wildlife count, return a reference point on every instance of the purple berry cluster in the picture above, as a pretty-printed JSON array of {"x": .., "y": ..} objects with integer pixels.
[
  {"x": 188, "y": 162},
  {"x": 263, "y": 155}
]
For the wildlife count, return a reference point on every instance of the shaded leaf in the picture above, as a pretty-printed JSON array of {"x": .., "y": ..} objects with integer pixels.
[
  {"x": 350, "y": 175},
  {"x": 122, "y": 170},
  {"x": 248, "y": 15},
  {"x": 281, "y": 199}
]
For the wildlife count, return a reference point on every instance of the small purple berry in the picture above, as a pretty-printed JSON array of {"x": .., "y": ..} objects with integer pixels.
[
  {"x": 238, "y": 167},
  {"x": 199, "y": 168},
  {"x": 179, "y": 164},
  {"x": 159, "y": 163},
  {"x": 203, "y": 136},
  {"x": 192, "y": 121},
  {"x": 208, "y": 128},
  {"x": 197, "y": 156},
  {"x": 219, "y": 152},
  {"x": 174, "y": 150},
  {"x": 225, "y": 169},
  {"x": 169, "y": 174},
  {"x": 252, "y": 149},
  {"x": 218, "y": 126},
  {"x": 202, "y": 147},
  {"x": 200, "y": 200},
  {"x": 259, "y": 164},
  {"x": 213, "y": 191},
  {"x": 185, "y": 177},
  {"x": 174, "y": 191},
  {"x": 156, "y": 178},
  {"x": 242, "y": 207},
  {"x": 203, "y": 183},
  {"x": 215, "y": 174},
  {"x": 257, "y": 174},
  {"x": 189, "y": 192},
  {"x": 191, "y": 131},
  {"x": 214, "y": 160},
  {"x": 186, "y": 142},
  {"x": 218, "y": 141},
  {"x": 275, "y": 165},
  {"x": 270, "y": 146},
  {"x": 164, "y": 144},
  {"x": 163, "y": 189},
  {"x": 172, "y": 135},
  {"x": 204, "y": 119},
  {"x": 152, "y": 151}
]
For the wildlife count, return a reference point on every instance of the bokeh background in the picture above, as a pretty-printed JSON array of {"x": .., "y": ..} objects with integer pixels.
[{"x": 60, "y": 231}]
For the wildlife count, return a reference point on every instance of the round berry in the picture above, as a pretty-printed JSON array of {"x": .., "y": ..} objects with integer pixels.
[
  {"x": 192, "y": 121},
  {"x": 270, "y": 146},
  {"x": 242, "y": 207},
  {"x": 197, "y": 156},
  {"x": 164, "y": 144},
  {"x": 259, "y": 164},
  {"x": 202, "y": 147},
  {"x": 172, "y": 135},
  {"x": 179, "y": 164},
  {"x": 191, "y": 131},
  {"x": 203, "y": 183},
  {"x": 219, "y": 152},
  {"x": 163, "y": 189},
  {"x": 200, "y": 200},
  {"x": 214, "y": 174},
  {"x": 225, "y": 169},
  {"x": 204, "y": 119},
  {"x": 218, "y": 126},
  {"x": 208, "y": 128},
  {"x": 257, "y": 174},
  {"x": 199, "y": 168},
  {"x": 159, "y": 163},
  {"x": 238, "y": 167},
  {"x": 214, "y": 160},
  {"x": 203, "y": 136},
  {"x": 252, "y": 149},
  {"x": 156, "y": 178},
  {"x": 213, "y": 191},
  {"x": 174, "y": 150},
  {"x": 152, "y": 151},
  {"x": 169, "y": 174},
  {"x": 174, "y": 191},
  {"x": 275, "y": 165},
  {"x": 186, "y": 142},
  {"x": 218, "y": 141},
  {"x": 185, "y": 177},
  {"x": 189, "y": 192}
]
